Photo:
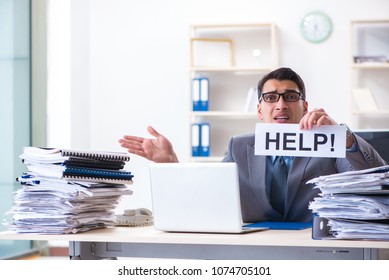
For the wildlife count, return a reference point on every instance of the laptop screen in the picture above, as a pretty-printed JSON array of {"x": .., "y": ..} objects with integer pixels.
[{"x": 196, "y": 197}]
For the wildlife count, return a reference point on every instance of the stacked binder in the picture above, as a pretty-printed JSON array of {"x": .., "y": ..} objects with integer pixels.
[
  {"x": 68, "y": 191},
  {"x": 352, "y": 205},
  {"x": 200, "y": 94},
  {"x": 200, "y": 139}
]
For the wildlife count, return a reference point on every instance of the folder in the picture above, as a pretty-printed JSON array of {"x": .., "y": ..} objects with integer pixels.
[
  {"x": 204, "y": 94},
  {"x": 200, "y": 94},
  {"x": 33, "y": 183},
  {"x": 200, "y": 139},
  {"x": 204, "y": 139},
  {"x": 196, "y": 94},
  {"x": 82, "y": 174},
  {"x": 321, "y": 229},
  {"x": 195, "y": 139},
  {"x": 281, "y": 225}
]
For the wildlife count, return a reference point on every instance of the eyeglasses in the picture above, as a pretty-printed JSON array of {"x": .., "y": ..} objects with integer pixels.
[{"x": 288, "y": 96}]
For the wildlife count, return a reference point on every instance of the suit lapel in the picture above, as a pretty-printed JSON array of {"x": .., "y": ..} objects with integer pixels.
[{"x": 257, "y": 175}]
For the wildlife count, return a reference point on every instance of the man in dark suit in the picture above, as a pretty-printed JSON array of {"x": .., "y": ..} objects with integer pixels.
[{"x": 282, "y": 99}]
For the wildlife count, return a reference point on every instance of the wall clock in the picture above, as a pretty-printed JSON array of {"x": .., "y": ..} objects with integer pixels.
[{"x": 316, "y": 27}]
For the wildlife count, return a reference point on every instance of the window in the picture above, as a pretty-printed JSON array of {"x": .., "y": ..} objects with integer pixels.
[{"x": 15, "y": 102}]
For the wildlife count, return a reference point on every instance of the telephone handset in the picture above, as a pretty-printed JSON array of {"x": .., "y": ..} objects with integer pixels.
[{"x": 140, "y": 217}]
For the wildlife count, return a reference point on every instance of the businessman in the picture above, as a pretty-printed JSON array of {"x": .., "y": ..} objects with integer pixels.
[{"x": 281, "y": 99}]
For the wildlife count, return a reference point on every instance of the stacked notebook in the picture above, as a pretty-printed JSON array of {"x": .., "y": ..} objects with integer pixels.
[
  {"x": 352, "y": 205},
  {"x": 68, "y": 191}
]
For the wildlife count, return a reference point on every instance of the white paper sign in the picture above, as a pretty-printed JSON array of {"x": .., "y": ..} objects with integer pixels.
[{"x": 290, "y": 140}]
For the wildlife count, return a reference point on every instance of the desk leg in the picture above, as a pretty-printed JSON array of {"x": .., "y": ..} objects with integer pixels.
[
  {"x": 84, "y": 251},
  {"x": 370, "y": 254}
]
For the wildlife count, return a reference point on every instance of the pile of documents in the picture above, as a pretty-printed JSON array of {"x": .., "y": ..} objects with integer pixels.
[
  {"x": 67, "y": 191},
  {"x": 355, "y": 203}
]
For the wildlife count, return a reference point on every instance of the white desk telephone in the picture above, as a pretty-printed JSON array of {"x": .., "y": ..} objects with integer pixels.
[{"x": 140, "y": 217}]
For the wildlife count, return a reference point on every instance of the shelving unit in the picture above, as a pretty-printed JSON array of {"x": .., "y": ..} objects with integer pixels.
[
  {"x": 369, "y": 42},
  {"x": 233, "y": 58}
]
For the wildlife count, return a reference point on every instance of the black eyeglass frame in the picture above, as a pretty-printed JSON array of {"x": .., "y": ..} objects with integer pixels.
[{"x": 281, "y": 94}]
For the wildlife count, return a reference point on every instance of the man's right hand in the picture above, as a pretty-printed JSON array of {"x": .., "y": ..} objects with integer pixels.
[{"x": 158, "y": 149}]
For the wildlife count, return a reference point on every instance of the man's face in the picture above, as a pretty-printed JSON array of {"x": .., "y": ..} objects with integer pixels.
[{"x": 281, "y": 111}]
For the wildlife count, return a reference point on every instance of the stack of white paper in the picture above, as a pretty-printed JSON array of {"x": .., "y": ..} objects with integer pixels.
[
  {"x": 49, "y": 205},
  {"x": 356, "y": 203}
]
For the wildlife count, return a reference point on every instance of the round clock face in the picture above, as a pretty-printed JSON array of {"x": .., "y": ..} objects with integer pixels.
[{"x": 316, "y": 27}]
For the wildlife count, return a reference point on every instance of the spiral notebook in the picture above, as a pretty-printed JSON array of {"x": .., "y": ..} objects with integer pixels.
[
  {"x": 67, "y": 164},
  {"x": 197, "y": 197},
  {"x": 56, "y": 155},
  {"x": 83, "y": 174}
]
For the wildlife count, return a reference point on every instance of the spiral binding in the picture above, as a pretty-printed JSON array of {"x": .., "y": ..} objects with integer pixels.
[
  {"x": 97, "y": 179},
  {"x": 93, "y": 163},
  {"x": 105, "y": 156},
  {"x": 97, "y": 174}
]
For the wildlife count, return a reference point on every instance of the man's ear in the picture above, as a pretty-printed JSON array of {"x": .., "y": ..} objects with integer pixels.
[
  {"x": 305, "y": 107},
  {"x": 259, "y": 111}
]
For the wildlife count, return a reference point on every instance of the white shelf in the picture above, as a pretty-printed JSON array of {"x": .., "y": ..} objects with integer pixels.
[
  {"x": 369, "y": 38},
  {"x": 237, "y": 70},
  {"x": 206, "y": 159},
  {"x": 249, "y": 52},
  {"x": 372, "y": 112},
  {"x": 370, "y": 65},
  {"x": 224, "y": 114}
]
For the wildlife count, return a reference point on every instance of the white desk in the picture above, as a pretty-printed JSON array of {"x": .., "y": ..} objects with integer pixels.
[{"x": 148, "y": 243}]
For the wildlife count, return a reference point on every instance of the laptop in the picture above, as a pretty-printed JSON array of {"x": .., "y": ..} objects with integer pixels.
[{"x": 197, "y": 197}]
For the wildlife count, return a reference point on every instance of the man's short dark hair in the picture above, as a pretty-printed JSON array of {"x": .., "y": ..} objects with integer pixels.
[{"x": 281, "y": 74}]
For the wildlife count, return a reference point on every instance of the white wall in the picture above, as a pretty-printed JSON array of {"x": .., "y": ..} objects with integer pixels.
[{"x": 130, "y": 65}]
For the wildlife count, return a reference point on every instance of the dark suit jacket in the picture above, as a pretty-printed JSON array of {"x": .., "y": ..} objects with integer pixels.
[{"x": 255, "y": 202}]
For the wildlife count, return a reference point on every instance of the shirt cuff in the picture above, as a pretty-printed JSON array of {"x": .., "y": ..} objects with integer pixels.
[{"x": 354, "y": 147}]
